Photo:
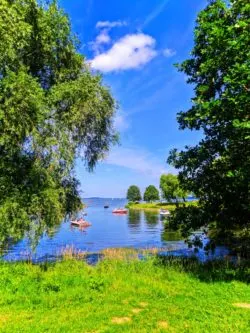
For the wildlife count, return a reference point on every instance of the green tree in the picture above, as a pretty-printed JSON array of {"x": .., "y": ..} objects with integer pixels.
[
  {"x": 52, "y": 110},
  {"x": 151, "y": 194},
  {"x": 217, "y": 169},
  {"x": 133, "y": 193},
  {"x": 171, "y": 189}
]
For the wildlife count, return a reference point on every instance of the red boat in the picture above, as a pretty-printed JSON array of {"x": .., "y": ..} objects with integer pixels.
[{"x": 120, "y": 211}]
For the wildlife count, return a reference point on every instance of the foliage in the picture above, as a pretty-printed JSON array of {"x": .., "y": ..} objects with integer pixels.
[
  {"x": 151, "y": 194},
  {"x": 237, "y": 240},
  {"x": 52, "y": 110},
  {"x": 133, "y": 193},
  {"x": 216, "y": 170},
  {"x": 171, "y": 189},
  {"x": 155, "y": 295}
]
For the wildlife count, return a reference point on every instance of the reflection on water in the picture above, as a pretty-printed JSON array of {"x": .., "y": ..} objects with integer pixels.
[
  {"x": 134, "y": 220},
  {"x": 12, "y": 234},
  {"x": 136, "y": 229},
  {"x": 169, "y": 235},
  {"x": 151, "y": 218}
]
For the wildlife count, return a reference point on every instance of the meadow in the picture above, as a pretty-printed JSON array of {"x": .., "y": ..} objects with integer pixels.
[{"x": 124, "y": 294}]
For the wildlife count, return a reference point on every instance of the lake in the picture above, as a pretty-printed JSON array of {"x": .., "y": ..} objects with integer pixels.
[{"x": 137, "y": 229}]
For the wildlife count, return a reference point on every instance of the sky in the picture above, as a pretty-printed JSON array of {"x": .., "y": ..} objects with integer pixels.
[{"x": 135, "y": 44}]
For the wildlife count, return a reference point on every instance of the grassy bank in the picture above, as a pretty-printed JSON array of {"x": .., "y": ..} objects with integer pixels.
[
  {"x": 155, "y": 206},
  {"x": 123, "y": 295}
]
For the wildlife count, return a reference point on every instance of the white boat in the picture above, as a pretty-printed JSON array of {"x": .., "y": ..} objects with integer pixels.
[{"x": 164, "y": 212}]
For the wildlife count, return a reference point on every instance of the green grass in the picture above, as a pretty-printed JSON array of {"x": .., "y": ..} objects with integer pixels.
[
  {"x": 123, "y": 295},
  {"x": 156, "y": 206}
]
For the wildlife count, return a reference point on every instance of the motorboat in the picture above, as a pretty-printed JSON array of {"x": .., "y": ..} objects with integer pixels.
[
  {"x": 164, "y": 212},
  {"x": 120, "y": 211},
  {"x": 106, "y": 206},
  {"x": 80, "y": 223}
]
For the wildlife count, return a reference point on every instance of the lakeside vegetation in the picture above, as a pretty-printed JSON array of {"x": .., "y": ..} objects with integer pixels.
[
  {"x": 123, "y": 294},
  {"x": 171, "y": 192},
  {"x": 156, "y": 206}
]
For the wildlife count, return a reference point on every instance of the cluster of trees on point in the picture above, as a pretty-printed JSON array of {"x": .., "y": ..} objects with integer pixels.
[
  {"x": 134, "y": 194},
  {"x": 170, "y": 187}
]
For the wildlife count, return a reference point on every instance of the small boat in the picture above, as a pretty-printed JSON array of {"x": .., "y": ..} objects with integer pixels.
[
  {"x": 120, "y": 211},
  {"x": 80, "y": 223},
  {"x": 164, "y": 212},
  {"x": 106, "y": 206}
]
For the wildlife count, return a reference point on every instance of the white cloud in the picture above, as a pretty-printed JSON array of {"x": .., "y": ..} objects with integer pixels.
[
  {"x": 103, "y": 38},
  {"x": 137, "y": 160},
  {"x": 109, "y": 24},
  {"x": 131, "y": 51},
  {"x": 169, "y": 53}
]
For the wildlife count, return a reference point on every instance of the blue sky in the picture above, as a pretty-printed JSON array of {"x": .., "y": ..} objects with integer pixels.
[{"x": 135, "y": 44}]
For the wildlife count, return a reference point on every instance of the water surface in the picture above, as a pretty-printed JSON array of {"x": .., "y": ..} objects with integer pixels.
[{"x": 137, "y": 229}]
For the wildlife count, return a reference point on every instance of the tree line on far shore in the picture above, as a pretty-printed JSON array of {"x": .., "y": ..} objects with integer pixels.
[{"x": 170, "y": 190}]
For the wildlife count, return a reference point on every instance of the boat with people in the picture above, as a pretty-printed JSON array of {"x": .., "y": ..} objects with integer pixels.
[
  {"x": 80, "y": 223},
  {"x": 120, "y": 211},
  {"x": 164, "y": 212}
]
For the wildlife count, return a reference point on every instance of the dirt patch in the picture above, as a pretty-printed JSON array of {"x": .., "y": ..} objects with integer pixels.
[
  {"x": 242, "y": 305},
  {"x": 163, "y": 324},
  {"x": 121, "y": 320},
  {"x": 125, "y": 301},
  {"x": 3, "y": 318},
  {"x": 136, "y": 311},
  {"x": 143, "y": 304}
]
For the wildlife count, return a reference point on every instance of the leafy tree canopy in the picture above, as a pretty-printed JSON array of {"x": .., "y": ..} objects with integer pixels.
[
  {"x": 171, "y": 189},
  {"x": 133, "y": 193},
  {"x": 217, "y": 169},
  {"x": 151, "y": 194},
  {"x": 52, "y": 110}
]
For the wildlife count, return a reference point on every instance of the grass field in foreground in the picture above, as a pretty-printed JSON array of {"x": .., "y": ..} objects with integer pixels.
[{"x": 120, "y": 295}]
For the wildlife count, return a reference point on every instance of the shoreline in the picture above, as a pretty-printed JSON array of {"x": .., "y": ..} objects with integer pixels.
[
  {"x": 156, "y": 206},
  {"x": 94, "y": 257}
]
